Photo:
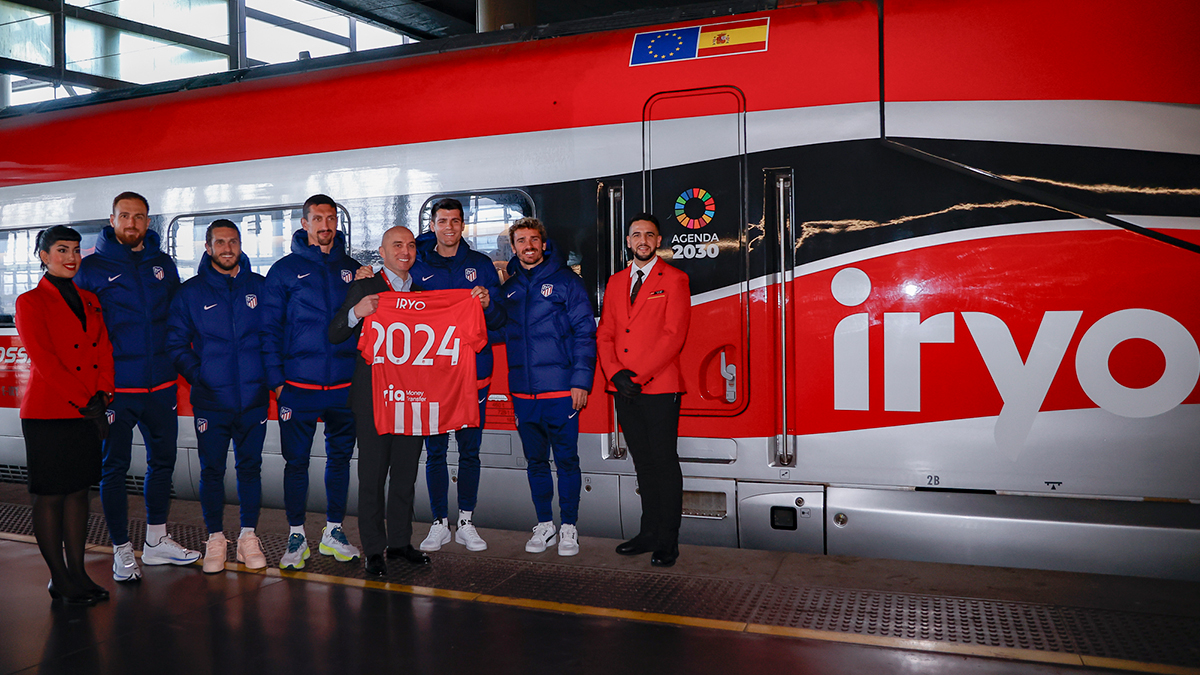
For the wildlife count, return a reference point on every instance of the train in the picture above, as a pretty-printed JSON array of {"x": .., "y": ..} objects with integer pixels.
[{"x": 943, "y": 254}]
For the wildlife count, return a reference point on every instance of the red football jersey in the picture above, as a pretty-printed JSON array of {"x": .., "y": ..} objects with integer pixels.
[{"x": 421, "y": 347}]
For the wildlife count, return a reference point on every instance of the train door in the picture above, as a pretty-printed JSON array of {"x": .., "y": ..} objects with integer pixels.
[
  {"x": 694, "y": 168},
  {"x": 694, "y": 181}
]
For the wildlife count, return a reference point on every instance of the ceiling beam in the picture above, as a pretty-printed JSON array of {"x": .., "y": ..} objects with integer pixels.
[{"x": 407, "y": 16}]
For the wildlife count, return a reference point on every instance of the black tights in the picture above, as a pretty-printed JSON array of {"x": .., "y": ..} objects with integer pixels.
[{"x": 60, "y": 524}]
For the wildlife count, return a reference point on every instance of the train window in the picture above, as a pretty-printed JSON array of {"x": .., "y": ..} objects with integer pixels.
[
  {"x": 488, "y": 215},
  {"x": 266, "y": 235},
  {"x": 21, "y": 269}
]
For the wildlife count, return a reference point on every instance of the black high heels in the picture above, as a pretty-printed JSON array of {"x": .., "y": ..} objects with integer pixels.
[{"x": 86, "y": 599}]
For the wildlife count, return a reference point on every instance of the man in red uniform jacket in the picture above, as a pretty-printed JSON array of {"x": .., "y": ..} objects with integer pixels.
[{"x": 644, "y": 322}]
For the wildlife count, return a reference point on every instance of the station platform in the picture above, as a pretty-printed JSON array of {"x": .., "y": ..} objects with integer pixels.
[{"x": 503, "y": 610}]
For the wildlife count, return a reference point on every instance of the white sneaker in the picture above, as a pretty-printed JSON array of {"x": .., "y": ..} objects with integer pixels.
[
  {"x": 296, "y": 553},
  {"x": 334, "y": 543},
  {"x": 467, "y": 536},
  {"x": 168, "y": 552},
  {"x": 439, "y": 535},
  {"x": 543, "y": 536},
  {"x": 249, "y": 552},
  {"x": 125, "y": 566},
  {"x": 216, "y": 550},
  {"x": 568, "y": 540}
]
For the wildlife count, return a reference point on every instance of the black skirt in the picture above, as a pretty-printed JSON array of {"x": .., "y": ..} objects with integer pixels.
[{"x": 63, "y": 456}]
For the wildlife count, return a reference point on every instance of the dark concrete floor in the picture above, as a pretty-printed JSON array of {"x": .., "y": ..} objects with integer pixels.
[{"x": 179, "y": 621}]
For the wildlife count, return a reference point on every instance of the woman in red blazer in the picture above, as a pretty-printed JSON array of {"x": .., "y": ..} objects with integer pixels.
[{"x": 63, "y": 414}]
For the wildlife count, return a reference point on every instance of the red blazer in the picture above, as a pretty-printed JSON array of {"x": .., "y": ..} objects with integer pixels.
[
  {"x": 648, "y": 337},
  {"x": 68, "y": 365}
]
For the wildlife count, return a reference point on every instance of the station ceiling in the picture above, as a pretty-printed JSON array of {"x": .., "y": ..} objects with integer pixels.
[{"x": 430, "y": 19}]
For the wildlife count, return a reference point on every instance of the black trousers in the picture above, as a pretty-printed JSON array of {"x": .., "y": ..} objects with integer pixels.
[
  {"x": 381, "y": 456},
  {"x": 651, "y": 426}
]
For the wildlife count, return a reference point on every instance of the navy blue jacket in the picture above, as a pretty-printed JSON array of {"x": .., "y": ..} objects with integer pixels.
[
  {"x": 302, "y": 292},
  {"x": 215, "y": 337},
  {"x": 135, "y": 290},
  {"x": 551, "y": 332},
  {"x": 467, "y": 269}
]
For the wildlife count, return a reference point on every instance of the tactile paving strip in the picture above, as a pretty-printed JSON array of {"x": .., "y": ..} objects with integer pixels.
[{"x": 1132, "y": 636}]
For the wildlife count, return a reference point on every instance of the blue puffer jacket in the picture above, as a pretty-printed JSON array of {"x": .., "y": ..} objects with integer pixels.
[
  {"x": 551, "y": 332},
  {"x": 467, "y": 269},
  {"x": 302, "y": 292},
  {"x": 135, "y": 290},
  {"x": 215, "y": 337}
]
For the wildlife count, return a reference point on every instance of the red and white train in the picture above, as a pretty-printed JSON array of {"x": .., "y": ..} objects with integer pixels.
[{"x": 944, "y": 262}]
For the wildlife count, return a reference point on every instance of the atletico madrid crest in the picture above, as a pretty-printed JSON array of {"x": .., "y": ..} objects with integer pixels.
[
  {"x": 111, "y": 416},
  {"x": 251, "y": 300},
  {"x": 470, "y": 274},
  {"x": 158, "y": 273},
  {"x": 285, "y": 414},
  {"x": 547, "y": 289},
  {"x": 347, "y": 276},
  {"x": 201, "y": 425}
]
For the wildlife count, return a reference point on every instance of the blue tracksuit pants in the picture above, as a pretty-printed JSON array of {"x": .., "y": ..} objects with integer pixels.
[
  {"x": 154, "y": 415},
  {"x": 299, "y": 411},
  {"x": 214, "y": 431},
  {"x": 437, "y": 476},
  {"x": 547, "y": 425}
]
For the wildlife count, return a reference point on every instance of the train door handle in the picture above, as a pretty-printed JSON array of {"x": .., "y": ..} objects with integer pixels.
[{"x": 729, "y": 372}]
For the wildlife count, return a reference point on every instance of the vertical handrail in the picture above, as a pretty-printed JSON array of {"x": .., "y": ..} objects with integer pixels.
[
  {"x": 783, "y": 184},
  {"x": 615, "y": 205}
]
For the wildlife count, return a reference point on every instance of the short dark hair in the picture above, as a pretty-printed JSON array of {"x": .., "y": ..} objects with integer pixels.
[
  {"x": 52, "y": 235},
  {"x": 130, "y": 195},
  {"x": 318, "y": 200},
  {"x": 220, "y": 222},
  {"x": 526, "y": 224},
  {"x": 446, "y": 204},
  {"x": 644, "y": 216}
]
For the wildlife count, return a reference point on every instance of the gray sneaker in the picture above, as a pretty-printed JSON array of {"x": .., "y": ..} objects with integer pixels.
[
  {"x": 125, "y": 566},
  {"x": 168, "y": 552},
  {"x": 296, "y": 554}
]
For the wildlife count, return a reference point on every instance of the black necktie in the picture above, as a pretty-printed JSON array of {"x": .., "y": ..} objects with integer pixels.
[{"x": 637, "y": 286}]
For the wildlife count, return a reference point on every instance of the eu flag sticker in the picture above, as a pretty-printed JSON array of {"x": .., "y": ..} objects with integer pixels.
[{"x": 665, "y": 45}]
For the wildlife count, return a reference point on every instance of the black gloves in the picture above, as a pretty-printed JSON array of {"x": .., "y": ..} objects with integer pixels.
[
  {"x": 625, "y": 385},
  {"x": 96, "y": 410},
  {"x": 95, "y": 406}
]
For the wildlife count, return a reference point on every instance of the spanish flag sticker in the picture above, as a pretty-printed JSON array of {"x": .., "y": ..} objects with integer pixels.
[{"x": 737, "y": 37}]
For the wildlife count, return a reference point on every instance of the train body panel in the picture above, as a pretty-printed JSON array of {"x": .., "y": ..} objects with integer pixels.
[{"x": 908, "y": 318}]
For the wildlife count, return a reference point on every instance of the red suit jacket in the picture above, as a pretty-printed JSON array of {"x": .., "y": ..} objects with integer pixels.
[
  {"x": 647, "y": 337},
  {"x": 68, "y": 364}
]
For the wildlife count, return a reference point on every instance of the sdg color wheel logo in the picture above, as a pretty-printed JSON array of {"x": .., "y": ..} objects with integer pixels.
[{"x": 695, "y": 208}]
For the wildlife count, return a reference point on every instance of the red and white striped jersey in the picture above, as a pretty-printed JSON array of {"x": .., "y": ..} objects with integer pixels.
[{"x": 421, "y": 347}]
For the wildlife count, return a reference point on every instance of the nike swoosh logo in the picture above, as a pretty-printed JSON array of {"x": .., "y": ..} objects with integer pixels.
[
  {"x": 208, "y": 307},
  {"x": 175, "y": 407},
  {"x": 301, "y": 276},
  {"x": 427, "y": 278},
  {"x": 511, "y": 294},
  {"x": 483, "y": 399},
  {"x": 115, "y": 278},
  {"x": 263, "y": 422},
  {"x": 573, "y": 414}
]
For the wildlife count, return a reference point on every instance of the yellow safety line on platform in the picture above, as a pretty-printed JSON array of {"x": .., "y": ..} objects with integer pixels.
[
  {"x": 367, "y": 583},
  {"x": 634, "y": 615},
  {"x": 985, "y": 651}
]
